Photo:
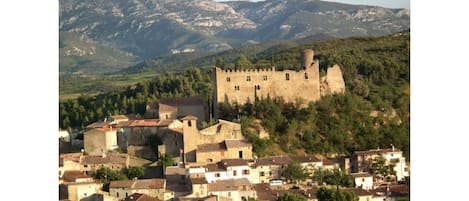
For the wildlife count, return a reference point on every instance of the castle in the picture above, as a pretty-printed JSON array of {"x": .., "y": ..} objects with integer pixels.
[{"x": 241, "y": 86}]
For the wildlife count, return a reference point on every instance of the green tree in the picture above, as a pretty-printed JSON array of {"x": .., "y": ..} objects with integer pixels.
[
  {"x": 291, "y": 197},
  {"x": 243, "y": 62},
  {"x": 106, "y": 175},
  {"x": 295, "y": 172},
  {"x": 379, "y": 169},
  {"x": 326, "y": 194},
  {"x": 135, "y": 172},
  {"x": 166, "y": 160}
]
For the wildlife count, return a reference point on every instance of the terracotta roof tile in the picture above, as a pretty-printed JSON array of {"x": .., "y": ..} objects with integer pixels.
[
  {"x": 189, "y": 117},
  {"x": 215, "y": 167},
  {"x": 376, "y": 151},
  {"x": 237, "y": 143},
  {"x": 233, "y": 162},
  {"x": 211, "y": 147},
  {"x": 305, "y": 159},
  {"x": 109, "y": 159},
  {"x": 273, "y": 160},
  {"x": 121, "y": 184},
  {"x": 228, "y": 185},
  {"x": 201, "y": 180},
  {"x": 139, "y": 184}
]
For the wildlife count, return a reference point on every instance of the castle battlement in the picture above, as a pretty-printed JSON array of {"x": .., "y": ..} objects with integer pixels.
[{"x": 241, "y": 86}]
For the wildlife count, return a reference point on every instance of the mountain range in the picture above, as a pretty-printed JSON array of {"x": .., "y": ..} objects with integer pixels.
[{"x": 99, "y": 36}]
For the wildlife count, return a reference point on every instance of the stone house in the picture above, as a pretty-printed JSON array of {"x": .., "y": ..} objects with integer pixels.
[
  {"x": 75, "y": 176},
  {"x": 152, "y": 187},
  {"x": 198, "y": 187},
  {"x": 227, "y": 169},
  {"x": 69, "y": 162},
  {"x": 236, "y": 189},
  {"x": 268, "y": 168},
  {"x": 228, "y": 149},
  {"x": 100, "y": 140},
  {"x": 361, "y": 161},
  {"x": 135, "y": 132},
  {"x": 174, "y": 108},
  {"x": 193, "y": 137},
  {"x": 77, "y": 191},
  {"x": 113, "y": 161},
  {"x": 363, "y": 180}
]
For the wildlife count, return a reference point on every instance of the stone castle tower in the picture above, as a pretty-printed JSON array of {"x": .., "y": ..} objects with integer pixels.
[{"x": 243, "y": 86}]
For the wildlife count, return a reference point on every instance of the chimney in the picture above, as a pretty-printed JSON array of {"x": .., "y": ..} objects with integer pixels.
[{"x": 392, "y": 147}]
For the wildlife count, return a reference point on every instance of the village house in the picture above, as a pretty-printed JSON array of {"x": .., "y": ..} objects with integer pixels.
[
  {"x": 152, "y": 187},
  {"x": 113, "y": 161},
  {"x": 174, "y": 108},
  {"x": 75, "y": 176},
  {"x": 268, "y": 168},
  {"x": 265, "y": 192},
  {"x": 363, "y": 180},
  {"x": 222, "y": 131},
  {"x": 236, "y": 189},
  {"x": 100, "y": 140},
  {"x": 228, "y": 149},
  {"x": 198, "y": 187},
  {"x": 361, "y": 161},
  {"x": 77, "y": 191},
  {"x": 69, "y": 162},
  {"x": 227, "y": 169}
]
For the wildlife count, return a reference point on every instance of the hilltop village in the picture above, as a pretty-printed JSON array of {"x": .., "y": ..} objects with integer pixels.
[{"x": 169, "y": 154}]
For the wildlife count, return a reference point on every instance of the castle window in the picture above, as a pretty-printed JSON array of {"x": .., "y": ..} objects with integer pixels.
[
  {"x": 257, "y": 87},
  {"x": 264, "y": 78},
  {"x": 287, "y": 76},
  {"x": 236, "y": 88},
  {"x": 228, "y": 79},
  {"x": 306, "y": 76},
  {"x": 248, "y": 78},
  {"x": 189, "y": 123}
]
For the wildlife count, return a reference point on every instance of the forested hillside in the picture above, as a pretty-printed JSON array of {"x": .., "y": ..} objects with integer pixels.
[{"x": 374, "y": 112}]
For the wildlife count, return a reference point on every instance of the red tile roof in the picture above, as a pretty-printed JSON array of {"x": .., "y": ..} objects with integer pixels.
[
  {"x": 273, "y": 160},
  {"x": 237, "y": 143},
  {"x": 139, "y": 123},
  {"x": 140, "y": 197},
  {"x": 108, "y": 159},
  {"x": 228, "y": 185},
  {"x": 211, "y": 147},
  {"x": 139, "y": 184}
]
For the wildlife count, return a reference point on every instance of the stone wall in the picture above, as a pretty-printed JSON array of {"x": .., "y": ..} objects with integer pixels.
[{"x": 243, "y": 86}]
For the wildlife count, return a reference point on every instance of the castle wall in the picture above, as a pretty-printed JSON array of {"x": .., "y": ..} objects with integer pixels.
[{"x": 243, "y": 86}]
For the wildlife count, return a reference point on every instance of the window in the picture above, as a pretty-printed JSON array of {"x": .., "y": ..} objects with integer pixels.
[
  {"x": 228, "y": 79},
  {"x": 257, "y": 87},
  {"x": 235, "y": 173},
  {"x": 229, "y": 194},
  {"x": 306, "y": 76},
  {"x": 264, "y": 77},
  {"x": 270, "y": 173},
  {"x": 240, "y": 153},
  {"x": 222, "y": 153},
  {"x": 237, "y": 88},
  {"x": 287, "y": 76},
  {"x": 189, "y": 123},
  {"x": 217, "y": 174},
  {"x": 117, "y": 194},
  {"x": 126, "y": 194},
  {"x": 261, "y": 174},
  {"x": 363, "y": 179},
  {"x": 245, "y": 172},
  {"x": 248, "y": 78}
]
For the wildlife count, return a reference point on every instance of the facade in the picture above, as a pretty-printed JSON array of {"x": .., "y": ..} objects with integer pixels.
[
  {"x": 77, "y": 191},
  {"x": 152, "y": 187},
  {"x": 227, "y": 169},
  {"x": 241, "y": 86},
  {"x": 69, "y": 162},
  {"x": 117, "y": 162},
  {"x": 236, "y": 189},
  {"x": 175, "y": 108},
  {"x": 228, "y": 149},
  {"x": 193, "y": 137},
  {"x": 100, "y": 140},
  {"x": 363, "y": 180},
  {"x": 268, "y": 168},
  {"x": 361, "y": 161}
]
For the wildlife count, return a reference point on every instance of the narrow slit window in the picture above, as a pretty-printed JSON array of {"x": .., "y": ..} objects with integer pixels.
[
  {"x": 228, "y": 79},
  {"x": 248, "y": 78},
  {"x": 264, "y": 78},
  {"x": 287, "y": 76},
  {"x": 306, "y": 76}
]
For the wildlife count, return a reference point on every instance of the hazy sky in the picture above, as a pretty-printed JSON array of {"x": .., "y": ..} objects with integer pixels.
[{"x": 382, "y": 3}]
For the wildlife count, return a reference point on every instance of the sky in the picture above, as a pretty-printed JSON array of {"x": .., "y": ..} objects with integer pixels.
[{"x": 382, "y": 3}]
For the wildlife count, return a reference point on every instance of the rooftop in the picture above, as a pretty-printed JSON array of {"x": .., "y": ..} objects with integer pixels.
[
  {"x": 234, "y": 162},
  {"x": 211, "y": 147},
  {"x": 273, "y": 160},
  {"x": 140, "y": 197},
  {"x": 201, "y": 180},
  {"x": 139, "y": 123},
  {"x": 108, "y": 159},
  {"x": 361, "y": 174},
  {"x": 139, "y": 184},
  {"x": 228, "y": 185},
  {"x": 237, "y": 143},
  {"x": 305, "y": 159}
]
